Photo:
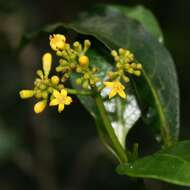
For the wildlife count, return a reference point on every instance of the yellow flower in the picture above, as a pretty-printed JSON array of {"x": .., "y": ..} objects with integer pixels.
[
  {"x": 116, "y": 88},
  {"x": 57, "y": 41},
  {"x": 61, "y": 99},
  {"x": 55, "y": 80},
  {"x": 83, "y": 60},
  {"x": 46, "y": 62},
  {"x": 26, "y": 94},
  {"x": 40, "y": 106}
]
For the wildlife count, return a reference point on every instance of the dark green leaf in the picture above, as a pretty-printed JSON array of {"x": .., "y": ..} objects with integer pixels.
[
  {"x": 157, "y": 89},
  {"x": 171, "y": 165},
  {"x": 145, "y": 17}
]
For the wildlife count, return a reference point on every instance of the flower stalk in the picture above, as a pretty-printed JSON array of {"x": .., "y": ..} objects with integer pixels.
[{"x": 120, "y": 152}]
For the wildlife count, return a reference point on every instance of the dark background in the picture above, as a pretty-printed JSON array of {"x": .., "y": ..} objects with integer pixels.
[{"x": 55, "y": 151}]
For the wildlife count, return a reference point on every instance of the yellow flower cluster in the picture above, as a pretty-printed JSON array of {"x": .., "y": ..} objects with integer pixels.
[
  {"x": 45, "y": 87},
  {"x": 73, "y": 60},
  {"x": 125, "y": 64}
]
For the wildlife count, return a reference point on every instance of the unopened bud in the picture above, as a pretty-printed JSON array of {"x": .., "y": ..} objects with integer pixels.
[
  {"x": 83, "y": 60},
  {"x": 40, "y": 106},
  {"x": 24, "y": 94},
  {"x": 45, "y": 95},
  {"x": 39, "y": 73},
  {"x": 126, "y": 79},
  {"x": 137, "y": 73},
  {"x": 77, "y": 46},
  {"x": 130, "y": 70},
  {"x": 139, "y": 66},
  {"x": 114, "y": 53},
  {"x": 85, "y": 84},
  {"x": 78, "y": 81},
  {"x": 47, "y": 61},
  {"x": 55, "y": 80},
  {"x": 122, "y": 51},
  {"x": 87, "y": 43}
]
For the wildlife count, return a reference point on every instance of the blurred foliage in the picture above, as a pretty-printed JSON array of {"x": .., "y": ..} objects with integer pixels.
[{"x": 35, "y": 148}]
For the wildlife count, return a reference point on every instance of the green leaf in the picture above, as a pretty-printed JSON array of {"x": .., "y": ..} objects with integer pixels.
[
  {"x": 171, "y": 165},
  {"x": 145, "y": 17},
  {"x": 157, "y": 90}
]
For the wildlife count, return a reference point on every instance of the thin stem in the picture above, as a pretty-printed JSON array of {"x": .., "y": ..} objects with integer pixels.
[
  {"x": 81, "y": 92},
  {"x": 116, "y": 144}
]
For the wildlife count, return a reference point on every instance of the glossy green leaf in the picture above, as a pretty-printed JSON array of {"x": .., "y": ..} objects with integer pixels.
[
  {"x": 157, "y": 90},
  {"x": 145, "y": 17},
  {"x": 171, "y": 165}
]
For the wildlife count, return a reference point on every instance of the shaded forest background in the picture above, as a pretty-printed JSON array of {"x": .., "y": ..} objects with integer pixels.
[{"x": 55, "y": 151}]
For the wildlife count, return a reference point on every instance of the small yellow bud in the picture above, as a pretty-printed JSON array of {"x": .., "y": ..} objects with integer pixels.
[
  {"x": 42, "y": 86},
  {"x": 50, "y": 89},
  {"x": 86, "y": 76},
  {"x": 126, "y": 79},
  {"x": 139, "y": 66},
  {"x": 57, "y": 41},
  {"x": 38, "y": 94},
  {"x": 55, "y": 79},
  {"x": 137, "y": 73},
  {"x": 72, "y": 65},
  {"x": 117, "y": 58},
  {"x": 40, "y": 106},
  {"x": 61, "y": 86},
  {"x": 39, "y": 73},
  {"x": 130, "y": 70},
  {"x": 47, "y": 61},
  {"x": 134, "y": 65},
  {"x": 77, "y": 46},
  {"x": 114, "y": 53},
  {"x": 78, "y": 81},
  {"x": 45, "y": 94},
  {"x": 122, "y": 51},
  {"x": 85, "y": 84},
  {"x": 24, "y": 94},
  {"x": 78, "y": 70},
  {"x": 92, "y": 81},
  {"x": 59, "y": 53},
  {"x": 87, "y": 43},
  {"x": 118, "y": 65},
  {"x": 59, "y": 68},
  {"x": 83, "y": 60}
]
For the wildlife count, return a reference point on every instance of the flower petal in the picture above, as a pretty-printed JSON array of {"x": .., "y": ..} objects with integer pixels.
[
  {"x": 56, "y": 93},
  {"x": 54, "y": 102},
  {"x": 109, "y": 84},
  {"x": 68, "y": 100},
  {"x": 61, "y": 108},
  {"x": 112, "y": 94},
  {"x": 63, "y": 92},
  {"x": 122, "y": 94}
]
